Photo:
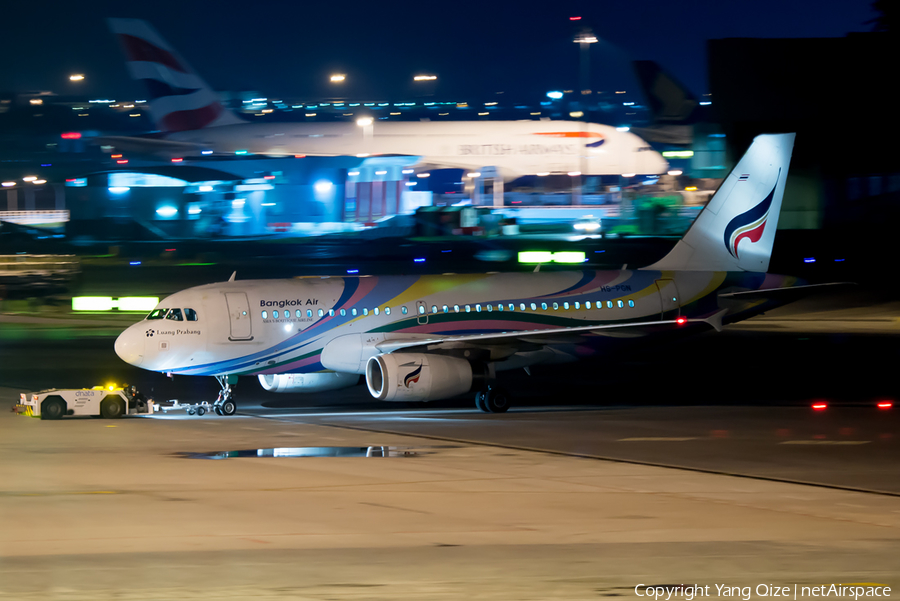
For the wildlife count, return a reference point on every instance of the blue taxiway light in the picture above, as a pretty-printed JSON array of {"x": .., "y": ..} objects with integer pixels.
[
  {"x": 809, "y": 260},
  {"x": 419, "y": 260},
  {"x": 353, "y": 271}
]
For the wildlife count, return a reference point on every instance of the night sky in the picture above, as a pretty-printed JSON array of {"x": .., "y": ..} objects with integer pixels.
[{"x": 288, "y": 49}]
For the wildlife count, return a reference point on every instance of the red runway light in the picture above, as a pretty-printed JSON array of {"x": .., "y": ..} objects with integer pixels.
[
  {"x": 681, "y": 320},
  {"x": 820, "y": 406},
  {"x": 574, "y": 18},
  {"x": 115, "y": 156},
  {"x": 122, "y": 161},
  {"x": 71, "y": 135},
  {"x": 177, "y": 160},
  {"x": 885, "y": 404}
]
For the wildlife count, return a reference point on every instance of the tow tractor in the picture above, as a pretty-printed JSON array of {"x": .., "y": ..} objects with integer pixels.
[{"x": 107, "y": 401}]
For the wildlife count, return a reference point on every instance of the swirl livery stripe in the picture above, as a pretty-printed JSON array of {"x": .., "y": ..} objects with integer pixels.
[
  {"x": 413, "y": 376},
  {"x": 749, "y": 224}
]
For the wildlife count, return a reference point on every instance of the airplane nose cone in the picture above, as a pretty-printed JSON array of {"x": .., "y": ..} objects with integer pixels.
[{"x": 130, "y": 346}]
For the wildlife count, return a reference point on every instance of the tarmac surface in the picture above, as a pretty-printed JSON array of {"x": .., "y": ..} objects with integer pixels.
[{"x": 699, "y": 462}]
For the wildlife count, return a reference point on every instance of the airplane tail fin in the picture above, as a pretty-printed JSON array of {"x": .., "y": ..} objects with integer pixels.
[
  {"x": 179, "y": 99},
  {"x": 735, "y": 231},
  {"x": 669, "y": 100}
]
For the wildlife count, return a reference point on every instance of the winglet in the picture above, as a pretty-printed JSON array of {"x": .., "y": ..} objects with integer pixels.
[{"x": 233, "y": 275}]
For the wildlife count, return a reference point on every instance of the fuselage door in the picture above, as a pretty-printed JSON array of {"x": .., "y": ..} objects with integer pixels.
[
  {"x": 421, "y": 312},
  {"x": 670, "y": 302},
  {"x": 239, "y": 316}
]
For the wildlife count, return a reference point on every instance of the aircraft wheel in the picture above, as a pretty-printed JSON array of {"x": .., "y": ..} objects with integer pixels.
[
  {"x": 496, "y": 400},
  {"x": 479, "y": 401},
  {"x": 201, "y": 411},
  {"x": 191, "y": 411},
  {"x": 229, "y": 407},
  {"x": 218, "y": 410},
  {"x": 53, "y": 408},
  {"x": 112, "y": 408}
]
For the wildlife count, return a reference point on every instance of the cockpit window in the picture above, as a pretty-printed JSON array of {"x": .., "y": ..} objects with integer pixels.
[
  {"x": 157, "y": 314},
  {"x": 190, "y": 315},
  {"x": 175, "y": 315}
]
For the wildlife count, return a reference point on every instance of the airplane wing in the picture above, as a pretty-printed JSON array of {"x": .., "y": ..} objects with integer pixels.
[
  {"x": 531, "y": 338},
  {"x": 150, "y": 146},
  {"x": 783, "y": 294}
]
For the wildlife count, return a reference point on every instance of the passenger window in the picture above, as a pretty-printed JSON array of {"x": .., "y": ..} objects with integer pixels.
[
  {"x": 190, "y": 315},
  {"x": 620, "y": 304},
  {"x": 499, "y": 306},
  {"x": 468, "y": 309},
  {"x": 522, "y": 306},
  {"x": 456, "y": 308},
  {"x": 556, "y": 307},
  {"x": 309, "y": 312},
  {"x": 275, "y": 314},
  {"x": 566, "y": 306},
  {"x": 365, "y": 311},
  {"x": 630, "y": 303},
  {"x": 321, "y": 313},
  {"x": 512, "y": 307},
  {"x": 533, "y": 307},
  {"x": 421, "y": 309},
  {"x": 343, "y": 312},
  {"x": 375, "y": 310},
  {"x": 387, "y": 310},
  {"x": 174, "y": 315},
  {"x": 587, "y": 304},
  {"x": 609, "y": 304},
  {"x": 490, "y": 307},
  {"x": 478, "y": 308},
  {"x": 299, "y": 313},
  {"x": 157, "y": 314},
  {"x": 331, "y": 312},
  {"x": 404, "y": 310},
  {"x": 446, "y": 309},
  {"x": 543, "y": 306},
  {"x": 265, "y": 315},
  {"x": 353, "y": 311},
  {"x": 577, "y": 305}
]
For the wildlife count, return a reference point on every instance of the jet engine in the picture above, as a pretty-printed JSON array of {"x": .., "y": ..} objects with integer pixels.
[
  {"x": 417, "y": 377},
  {"x": 307, "y": 382}
]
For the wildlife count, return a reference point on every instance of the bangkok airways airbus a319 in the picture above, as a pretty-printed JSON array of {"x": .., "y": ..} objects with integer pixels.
[{"x": 422, "y": 338}]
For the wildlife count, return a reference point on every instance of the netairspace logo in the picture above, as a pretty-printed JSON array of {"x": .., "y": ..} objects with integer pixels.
[{"x": 687, "y": 592}]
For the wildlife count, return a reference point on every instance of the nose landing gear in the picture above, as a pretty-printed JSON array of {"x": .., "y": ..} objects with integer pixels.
[{"x": 225, "y": 403}]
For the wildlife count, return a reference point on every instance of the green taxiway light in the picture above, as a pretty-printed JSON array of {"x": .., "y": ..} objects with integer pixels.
[
  {"x": 107, "y": 303},
  {"x": 535, "y": 256},
  {"x": 568, "y": 257},
  {"x": 543, "y": 256},
  {"x": 678, "y": 154}
]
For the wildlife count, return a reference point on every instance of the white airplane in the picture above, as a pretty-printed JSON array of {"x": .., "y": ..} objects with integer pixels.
[
  {"x": 193, "y": 120},
  {"x": 423, "y": 338}
]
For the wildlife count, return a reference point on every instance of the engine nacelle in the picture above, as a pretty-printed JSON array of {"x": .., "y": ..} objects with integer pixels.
[
  {"x": 307, "y": 382},
  {"x": 417, "y": 377}
]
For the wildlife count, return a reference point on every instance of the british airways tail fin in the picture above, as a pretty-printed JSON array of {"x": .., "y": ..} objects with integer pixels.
[
  {"x": 735, "y": 231},
  {"x": 179, "y": 99}
]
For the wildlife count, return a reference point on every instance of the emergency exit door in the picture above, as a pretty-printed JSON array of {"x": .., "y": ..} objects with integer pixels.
[
  {"x": 669, "y": 301},
  {"x": 239, "y": 315}
]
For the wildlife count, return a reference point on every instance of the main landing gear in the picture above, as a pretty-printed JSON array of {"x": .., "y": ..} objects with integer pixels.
[
  {"x": 492, "y": 400},
  {"x": 225, "y": 404}
]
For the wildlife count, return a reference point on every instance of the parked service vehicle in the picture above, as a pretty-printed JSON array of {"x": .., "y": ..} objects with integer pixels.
[{"x": 109, "y": 402}]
